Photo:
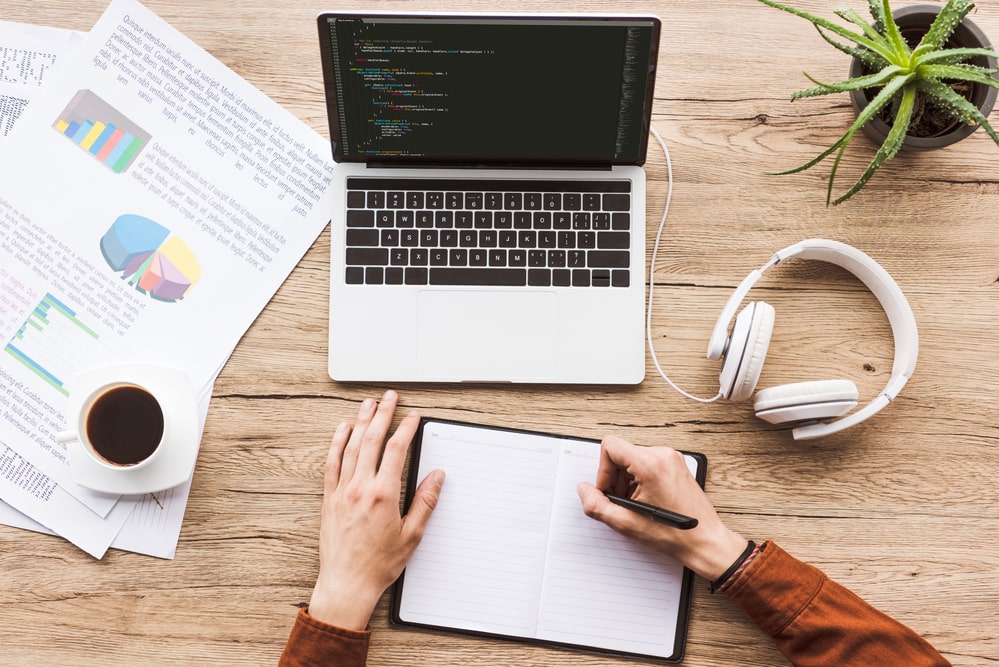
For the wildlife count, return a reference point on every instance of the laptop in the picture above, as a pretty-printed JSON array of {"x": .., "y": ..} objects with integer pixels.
[{"x": 489, "y": 197}]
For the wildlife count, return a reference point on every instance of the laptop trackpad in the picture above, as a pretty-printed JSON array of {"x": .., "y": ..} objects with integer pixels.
[{"x": 487, "y": 336}]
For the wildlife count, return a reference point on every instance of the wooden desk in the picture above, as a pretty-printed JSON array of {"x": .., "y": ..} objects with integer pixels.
[{"x": 902, "y": 509}]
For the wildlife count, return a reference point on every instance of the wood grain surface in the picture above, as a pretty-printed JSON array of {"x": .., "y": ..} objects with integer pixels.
[{"x": 902, "y": 509}]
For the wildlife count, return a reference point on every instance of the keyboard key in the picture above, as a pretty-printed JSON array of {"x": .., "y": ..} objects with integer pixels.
[
  {"x": 366, "y": 256},
  {"x": 537, "y": 258},
  {"x": 567, "y": 239},
  {"x": 385, "y": 219},
  {"x": 562, "y": 220},
  {"x": 556, "y": 258},
  {"x": 409, "y": 238},
  {"x": 458, "y": 257},
  {"x": 507, "y": 239},
  {"x": 547, "y": 239},
  {"x": 576, "y": 259},
  {"x": 571, "y": 202},
  {"x": 483, "y": 220},
  {"x": 517, "y": 257},
  {"x": 497, "y": 257},
  {"x": 360, "y": 218},
  {"x": 443, "y": 219},
  {"x": 539, "y": 278},
  {"x": 356, "y": 199},
  {"x": 424, "y": 219},
  {"x": 527, "y": 239},
  {"x": 543, "y": 220},
  {"x": 580, "y": 220},
  {"x": 419, "y": 257},
  {"x": 393, "y": 275},
  {"x": 621, "y": 221},
  {"x": 619, "y": 278},
  {"x": 473, "y": 201},
  {"x": 374, "y": 275},
  {"x": 553, "y": 201},
  {"x": 600, "y": 278},
  {"x": 586, "y": 240},
  {"x": 487, "y": 238},
  {"x": 416, "y": 275},
  {"x": 404, "y": 219},
  {"x": 389, "y": 238},
  {"x": 502, "y": 219},
  {"x": 435, "y": 200},
  {"x": 362, "y": 237},
  {"x": 395, "y": 199},
  {"x": 591, "y": 201},
  {"x": 580, "y": 278},
  {"x": 463, "y": 219},
  {"x": 617, "y": 202},
  {"x": 376, "y": 199},
  {"x": 428, "y": 238},
  {"x": 399, "y": 257},
  {"x": 522, "y": 220},
  {"x": 414, "y": 200},
  {"x": 469, "y": 239},
  {"x": 609, "y": 259},
  {"x": 478, "y": 257},
  {"x": 438, "y": 257},
  {"x": 494, "y": 200},
  {"x": 474, "y": 276},
  {"x": 561, "y": 277},
  {"x": 454, "y": 200},
  {"x": 614, "y": 240},
  {"x": 448, "y": 238},
  {"x": 533, "y": 201},
  {"x": 513, "y": 201},
  {"x": 601, "y": 221},
  {"x": 354, "y": 275}
]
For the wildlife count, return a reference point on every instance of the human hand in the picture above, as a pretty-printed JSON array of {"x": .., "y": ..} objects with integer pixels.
[
  {"x": 364, "y": 542},
  {"x": 659, "y": 476}
]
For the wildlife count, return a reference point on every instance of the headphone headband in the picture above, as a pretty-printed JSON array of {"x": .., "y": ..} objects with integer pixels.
[{"x": 884, "y": 288}]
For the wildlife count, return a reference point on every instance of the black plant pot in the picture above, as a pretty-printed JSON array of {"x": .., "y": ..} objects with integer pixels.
[{"x": 918, "y": 18}]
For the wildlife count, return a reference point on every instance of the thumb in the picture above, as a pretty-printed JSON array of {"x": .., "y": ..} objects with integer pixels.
[
  {"x": 597, "y": 506},
  {"x": 424, "y": 501}
]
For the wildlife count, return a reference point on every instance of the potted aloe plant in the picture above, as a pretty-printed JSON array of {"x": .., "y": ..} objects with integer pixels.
[{"x": 937, "y": 64}]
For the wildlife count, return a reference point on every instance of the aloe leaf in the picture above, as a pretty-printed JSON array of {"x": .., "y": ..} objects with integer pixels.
[
  {"x": 954, "y": 56},
  {"x": 853, "y": 17},
  {"x": 877, "y": 13},
  {"x": 888, "y": 149},
  {"x": 957, "y": 105},
  {"x": 951, "y": 14},
  {"x": 856, "y": 83},
  {"x": 874, "y": 45},
  {"x": 892, "y": 35},
  {"x": 959, "y": 73},
  {"x": 866, "y": 56}
]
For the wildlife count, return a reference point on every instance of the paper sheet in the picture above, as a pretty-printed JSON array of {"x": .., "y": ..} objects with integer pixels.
[{"x": 154, "y": 201}]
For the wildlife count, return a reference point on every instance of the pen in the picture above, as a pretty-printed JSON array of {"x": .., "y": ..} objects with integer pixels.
[{"x": 657, "y": 514}]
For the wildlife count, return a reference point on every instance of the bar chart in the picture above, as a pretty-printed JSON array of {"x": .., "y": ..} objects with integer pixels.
[
  {"x": 55, "y": 344},
  {"x": 151, "y": 258},
  {"x": 101, "y": 130}
]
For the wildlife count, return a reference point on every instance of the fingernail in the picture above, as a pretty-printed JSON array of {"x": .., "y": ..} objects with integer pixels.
[
  {"x": 342, "y": 427},
  {"x": 368, "y": 405},
  {"x": 390, "y": 395}
]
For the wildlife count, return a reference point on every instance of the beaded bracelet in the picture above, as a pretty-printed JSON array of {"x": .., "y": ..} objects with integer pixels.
[{"x": 740, "y": 563}]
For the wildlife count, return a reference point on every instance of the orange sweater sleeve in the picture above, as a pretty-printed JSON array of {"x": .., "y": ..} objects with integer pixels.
[
  {"x": 815, "y": 622},
  {"x": 313, "y": 643}
]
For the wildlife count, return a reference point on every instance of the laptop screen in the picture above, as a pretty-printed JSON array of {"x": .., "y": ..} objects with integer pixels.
[{"x": 489, "y": 90}]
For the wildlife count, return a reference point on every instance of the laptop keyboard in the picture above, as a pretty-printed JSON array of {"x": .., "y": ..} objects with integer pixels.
[{"x": 488, "y": 233}]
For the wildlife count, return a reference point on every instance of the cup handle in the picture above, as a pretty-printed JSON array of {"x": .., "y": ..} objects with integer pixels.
[{"x": 65, "y": 436}]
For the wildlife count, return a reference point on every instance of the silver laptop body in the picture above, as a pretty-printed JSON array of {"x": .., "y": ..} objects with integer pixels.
[{"x": 489, "y": 200}]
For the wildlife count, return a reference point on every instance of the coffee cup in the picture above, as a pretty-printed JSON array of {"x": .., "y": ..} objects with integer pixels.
[{"x": 120, "y": 425}]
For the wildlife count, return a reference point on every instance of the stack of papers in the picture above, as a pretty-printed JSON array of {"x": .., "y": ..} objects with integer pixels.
[{"x": 132, "y": 134}]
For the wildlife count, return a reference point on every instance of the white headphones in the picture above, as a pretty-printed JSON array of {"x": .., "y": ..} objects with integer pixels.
[{"x": 745, "y": 349}]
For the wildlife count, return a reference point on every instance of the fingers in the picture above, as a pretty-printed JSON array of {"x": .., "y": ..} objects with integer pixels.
[
  {"x": 424, "y": 501},
  {"x": 597, "y": 506},
  {"x": 352, "y": 449},
  {"x": 616, "y": 455},
  {"x": 335, "y": 455},
  {"x": 373, "y": 438},
  {"x": 397, "y": 447}
]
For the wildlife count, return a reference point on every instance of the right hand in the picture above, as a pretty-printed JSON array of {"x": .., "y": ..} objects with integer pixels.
[{"x": 659, "y": 476}]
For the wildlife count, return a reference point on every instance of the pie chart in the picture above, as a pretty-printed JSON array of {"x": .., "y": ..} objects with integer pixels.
[{"x": 150, "y": 257}]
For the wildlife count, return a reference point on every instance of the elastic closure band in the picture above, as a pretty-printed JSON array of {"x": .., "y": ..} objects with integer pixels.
[{"x": 720, "y": 581}]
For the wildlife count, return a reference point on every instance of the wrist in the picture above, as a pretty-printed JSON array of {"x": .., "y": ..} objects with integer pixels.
[
  {"x": 717, "y": 555},
  {"x": 348, "y": 609}
]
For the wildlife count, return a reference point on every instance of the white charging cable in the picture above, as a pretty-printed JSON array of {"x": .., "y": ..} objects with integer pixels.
[{"x": 652, "y": 276}]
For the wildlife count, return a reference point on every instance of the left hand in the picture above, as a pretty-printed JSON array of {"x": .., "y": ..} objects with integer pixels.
[{"x": 364, "y": 542}]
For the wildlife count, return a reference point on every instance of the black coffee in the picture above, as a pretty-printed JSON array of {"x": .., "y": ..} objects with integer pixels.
[{"x": 125, "y": 425}]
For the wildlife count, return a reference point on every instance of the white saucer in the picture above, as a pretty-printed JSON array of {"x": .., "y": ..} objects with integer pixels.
[{"x": 174, "y": 464}]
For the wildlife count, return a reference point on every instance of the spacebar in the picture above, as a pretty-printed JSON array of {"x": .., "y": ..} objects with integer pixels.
[{"x": 487, "y": 277}]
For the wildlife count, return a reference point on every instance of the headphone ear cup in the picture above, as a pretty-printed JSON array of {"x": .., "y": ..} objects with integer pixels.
[
  {"x": 747, "y": 350},
  {"x": 806, "y": 401}
]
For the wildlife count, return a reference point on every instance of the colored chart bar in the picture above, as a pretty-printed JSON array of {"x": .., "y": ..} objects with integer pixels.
[
  {"x": 101, "y": 130},
  {"x": 55, "y": 344}
]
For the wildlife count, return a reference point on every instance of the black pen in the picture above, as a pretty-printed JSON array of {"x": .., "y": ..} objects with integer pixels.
[{"x": 657, "y": 514}]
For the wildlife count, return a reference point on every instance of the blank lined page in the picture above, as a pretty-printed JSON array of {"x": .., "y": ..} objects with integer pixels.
[
  {"x": 602, "y": 589},
  {"x": 480, "y": 564}
]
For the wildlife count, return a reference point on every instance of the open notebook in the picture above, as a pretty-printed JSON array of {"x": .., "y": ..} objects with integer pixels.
[{"x": 509, "y": 553}]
